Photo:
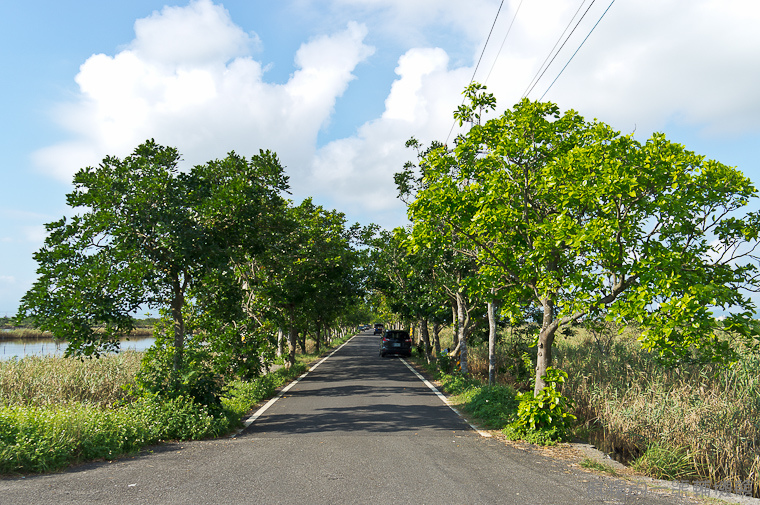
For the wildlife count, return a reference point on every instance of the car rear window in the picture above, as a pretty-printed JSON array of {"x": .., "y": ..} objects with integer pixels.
[{"x": 396, "y": 335}]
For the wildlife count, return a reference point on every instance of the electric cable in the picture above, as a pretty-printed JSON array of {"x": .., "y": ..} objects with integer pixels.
[
  {"x": 576, "y": 51},
  {"x": 559, "y": 50},
  {"x": 544, "y": 63},
  {"x": 478, "y": 64},
  {"x": 503, "y": 42}
]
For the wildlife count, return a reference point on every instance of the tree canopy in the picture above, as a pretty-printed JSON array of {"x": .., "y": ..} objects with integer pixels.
[
  {"x": 147, "y": 234},
  {"x": 584, "y": 222}
]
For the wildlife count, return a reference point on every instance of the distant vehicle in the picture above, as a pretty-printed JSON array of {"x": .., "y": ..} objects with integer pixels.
[
  {"x": 379, "y": 328},
  {"x": 396, "y": 342}
]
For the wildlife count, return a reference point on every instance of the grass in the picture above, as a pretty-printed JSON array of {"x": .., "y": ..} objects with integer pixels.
[
  {"x": 593, "y": 464},
  {"x": 55, "y": 412},
  {"x": 45, "y": 381},
  {"x": 692, "y": 422},
  {"x": 34, "y": 334}
]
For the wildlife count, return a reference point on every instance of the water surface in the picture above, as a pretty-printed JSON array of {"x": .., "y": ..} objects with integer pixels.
[{"x": 20, "y": 347}]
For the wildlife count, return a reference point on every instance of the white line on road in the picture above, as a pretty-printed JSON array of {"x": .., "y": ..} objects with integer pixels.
[
  {"x": 284, "y": 390},
  {"x": 444, "y": 399}
]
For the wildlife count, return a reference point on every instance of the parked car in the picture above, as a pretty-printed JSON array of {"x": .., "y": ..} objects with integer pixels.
[
  {"x": 379, "y": 328},
  {"x": 396, "y": 342}
]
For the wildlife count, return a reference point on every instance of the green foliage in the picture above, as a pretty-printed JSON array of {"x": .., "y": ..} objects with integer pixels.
[
  {"x": 494, "y": 405},
  {"x": 547, "y": 412},
  {"x": 48, "y": 438},
  {"x": 146, "y": 234},
  {"x": 663, "y": 462},
  {"x": 40, "y": 439},
  {"x": 572, "y": 217},
  {"x": 457, "y": 384},
  {"x": 196, "y": 380}
]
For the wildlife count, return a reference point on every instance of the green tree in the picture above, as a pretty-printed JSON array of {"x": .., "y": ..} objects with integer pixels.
[
  {"x": 310, "y": 276},
  {"x": 409, "y": 281},
  {"x": 146, "y": 233},
  {"x": 582, "y": 221}
]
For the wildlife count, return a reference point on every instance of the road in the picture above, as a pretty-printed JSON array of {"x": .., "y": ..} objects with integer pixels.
[{"x": 358, "y": 429}]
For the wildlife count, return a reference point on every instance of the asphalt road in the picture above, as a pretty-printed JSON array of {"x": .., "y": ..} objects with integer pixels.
[{"x": 357, "y": 429}]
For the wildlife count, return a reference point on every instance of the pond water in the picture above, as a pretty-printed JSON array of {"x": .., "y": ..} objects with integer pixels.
[{"x": 20, "y": 347}]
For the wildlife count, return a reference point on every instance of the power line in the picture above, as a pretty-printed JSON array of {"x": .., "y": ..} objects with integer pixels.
[
  {"x": 576, "y": 51},
  {"x": 478, "y": 64},
  {"x": 538, "y": 77},
  {"x": 503, "y": 42},
  {"x": 544, "y": 64}
]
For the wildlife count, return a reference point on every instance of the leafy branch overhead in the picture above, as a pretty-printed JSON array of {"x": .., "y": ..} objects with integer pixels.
[{"x": 584, "y": 222}]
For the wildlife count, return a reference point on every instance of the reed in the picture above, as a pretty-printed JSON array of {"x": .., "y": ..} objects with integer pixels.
[
  {"x": 34, "y": 334},
  {"x": 692, "y": 422},
  {"x": 42, "y": 381}
]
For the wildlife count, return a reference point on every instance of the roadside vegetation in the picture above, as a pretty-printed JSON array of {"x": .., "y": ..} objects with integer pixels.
[
  {"x": 563, "y": 279},
  {"x": 56, "y": 412},
  {"x": 693, "y": 422},
  {"x": 593, "y": 285}
]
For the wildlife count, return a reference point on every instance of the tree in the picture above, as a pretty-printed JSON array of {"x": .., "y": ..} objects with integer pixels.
[
  {"x": 410, "y": 281},
  {"x": 582, "y": 221},
  {"x": 310, "y": 276},
  {"x": 147, "y": 234}
]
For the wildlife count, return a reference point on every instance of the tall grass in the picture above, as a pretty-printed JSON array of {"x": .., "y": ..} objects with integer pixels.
[
  {"x": 688, "y": 422},
  {"x": 40, "y": 381},
  {"x": 691, "y": 422}
]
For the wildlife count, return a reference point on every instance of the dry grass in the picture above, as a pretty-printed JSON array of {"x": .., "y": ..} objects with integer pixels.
[
  {"x": 39, "y": 381},
  {"x": 696, "y": 422},
  {"x": 690, "y": 422},
  {"x": 34, "y": 334}
]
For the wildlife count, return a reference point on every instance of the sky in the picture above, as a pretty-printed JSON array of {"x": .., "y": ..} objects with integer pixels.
[{"x": 336, "y": 87}]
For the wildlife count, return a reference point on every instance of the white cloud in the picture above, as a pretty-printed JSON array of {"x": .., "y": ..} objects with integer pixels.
[
  {"x": 197, "y": 35},
  {"x": 359, "y": 170},
  {"x": 187, "y": 81},
  {"x": 655, "y": 61}
]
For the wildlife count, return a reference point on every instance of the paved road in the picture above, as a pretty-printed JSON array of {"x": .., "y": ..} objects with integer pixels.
[{"x": 358, "y": 429}]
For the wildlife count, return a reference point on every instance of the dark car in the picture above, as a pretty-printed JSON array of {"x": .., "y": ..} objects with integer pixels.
[
  {"x": 379, "y": 328},
  {"x": 396, "y": 342}
]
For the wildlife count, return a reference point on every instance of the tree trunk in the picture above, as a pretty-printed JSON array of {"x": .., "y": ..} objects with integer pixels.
[
  {"x": 292, "y": 338},
  {"x": 178, "y": 301},
  {"x": 280, "y": 342},
  {"x": 545, "y": 341},
  {"x": 462, "y": 323},
  {"x": 454, "y": 324},
  {"x": 302, "y": 341},
  {"x": 425, "y": 336},
  {"x": 491, "y": 344},
  {"x": 318, "y": 336},
  {"x": 436, "y": 339}
]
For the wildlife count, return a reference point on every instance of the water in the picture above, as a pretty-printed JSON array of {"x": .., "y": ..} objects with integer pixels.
[{"x": 20, "y": 347}]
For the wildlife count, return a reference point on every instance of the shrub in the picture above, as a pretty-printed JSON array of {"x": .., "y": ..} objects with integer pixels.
[{"x": 545, "y": 416}]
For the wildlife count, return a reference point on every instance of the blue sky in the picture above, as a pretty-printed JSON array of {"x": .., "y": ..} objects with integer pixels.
[{"x": 336, "y": 87}]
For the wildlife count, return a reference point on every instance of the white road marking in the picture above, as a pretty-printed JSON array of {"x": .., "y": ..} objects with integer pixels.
[
  {"x": 284, "y": 390},
  {"x": 444, "y": 399}
]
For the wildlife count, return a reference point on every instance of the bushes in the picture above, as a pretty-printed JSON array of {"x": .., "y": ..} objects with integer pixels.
[
  {"x": 543, "y": 418},
  {"x": 56, "y": 435}
]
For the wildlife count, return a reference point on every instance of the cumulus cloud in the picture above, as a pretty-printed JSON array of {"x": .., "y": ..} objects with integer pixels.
[
  {"x": 653, "y": 63},
  {"x": 359, "y": 170},
  {"x": 188, "y": 81}
]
